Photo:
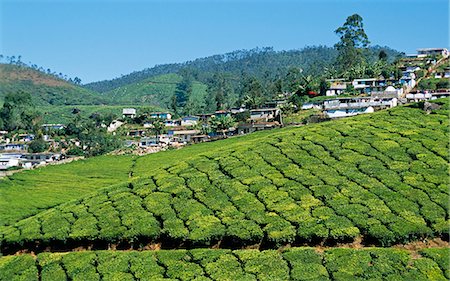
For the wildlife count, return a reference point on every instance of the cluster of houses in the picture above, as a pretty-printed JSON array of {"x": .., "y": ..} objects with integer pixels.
[
  {"x": 375, "y": 94},
  {"x": 381, "y": 93},
  {"x": 193, "y": 129},
  {"x": 14, "y": 150},
  {"x": 25, "y": 160},
  {"x": 412, "y": 64}
]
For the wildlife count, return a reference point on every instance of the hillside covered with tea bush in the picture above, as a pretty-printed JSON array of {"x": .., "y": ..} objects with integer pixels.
[
  {"x": 381, "y": 176},
  {"x": 372, "y": 180}
]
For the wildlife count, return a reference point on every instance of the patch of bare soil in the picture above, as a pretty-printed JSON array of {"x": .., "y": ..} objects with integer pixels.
[
  {"x": 37, "y": 78},
  {"x": 424, "y": 244}
]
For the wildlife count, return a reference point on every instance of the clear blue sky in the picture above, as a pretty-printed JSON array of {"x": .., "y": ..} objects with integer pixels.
[{"x": 97, "y": 40}]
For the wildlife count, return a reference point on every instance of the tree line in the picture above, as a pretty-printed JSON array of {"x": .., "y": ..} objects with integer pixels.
[{"x": 251, "y": 78}]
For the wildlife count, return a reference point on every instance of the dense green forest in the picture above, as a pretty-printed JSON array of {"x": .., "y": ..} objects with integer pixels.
[
  {"x": 242, "y": 78},
  {"x": 258, "y": 62}
]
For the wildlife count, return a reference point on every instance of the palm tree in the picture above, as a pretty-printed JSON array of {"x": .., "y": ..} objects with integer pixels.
[{"x": 157, "y": 127}]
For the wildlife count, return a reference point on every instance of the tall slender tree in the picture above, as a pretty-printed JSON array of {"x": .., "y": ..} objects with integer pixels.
[{"x": 353, "y": 42}]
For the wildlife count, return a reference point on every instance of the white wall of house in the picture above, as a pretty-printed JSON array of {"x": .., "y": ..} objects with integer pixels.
[
  {"x": 337, "y": 113},
  {"x": 188, "y": 122},
  {"x": 8, "y": 162}
]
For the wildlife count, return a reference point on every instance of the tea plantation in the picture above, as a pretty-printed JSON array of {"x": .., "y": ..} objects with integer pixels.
[
  {"x": 207, "y": 264},
  {"x": 379, "y": 180}
]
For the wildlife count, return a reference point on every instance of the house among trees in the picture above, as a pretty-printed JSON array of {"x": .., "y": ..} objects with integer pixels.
[
  {"x": 221, "y": 113},
  {"x": 416, "y": 97},
  {"x": 172, "y": 123},
  {"x": 425, "y": 52},
  {"x": 261, "y": 119},
  {"x": 25, "y": 137},
  {"x": 389, "y": 92},
  {"x": 161, "y": 115},
  {"x": 265, "y": 114},
  {"x": 248, "y": 128},
  {"x": 115, "y": 124},
  {"x": 344, "y": 107},
  {"x": 129, "y": 112},
  {"x": 365, "y": 85},
  {"x": 189, "y": 121},
  {"x": 205, "y": 117},
  {"x": 152, "y": 141},
  {"x": 182, "y": 135},
  {"x": 55, "y": 127},
  {"x": 8, "y": 161},
  {"x": 136, "y": 133},
  {"x": 14, "y": 147},
  {"x": 337, "y": 87}
]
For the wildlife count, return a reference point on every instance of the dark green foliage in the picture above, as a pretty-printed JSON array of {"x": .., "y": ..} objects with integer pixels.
[
  {"x": 265, "y": 265},
  {"x": 18, "y": 268},
  {"x": 304, "y": 264},
  {"x": 18, "y": 112},
  {"x": 440, "y": 256},
  {"x": 37, "y": 145}
]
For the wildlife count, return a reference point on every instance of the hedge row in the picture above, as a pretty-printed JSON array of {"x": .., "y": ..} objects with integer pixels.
[{"x": 207, "y": 264}]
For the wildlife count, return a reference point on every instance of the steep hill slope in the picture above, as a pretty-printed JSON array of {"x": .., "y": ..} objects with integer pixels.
[
  {"x": 156, "y": 91},
  {"x": 379, "y": 179},
  {"x": 45, "y": 89}
]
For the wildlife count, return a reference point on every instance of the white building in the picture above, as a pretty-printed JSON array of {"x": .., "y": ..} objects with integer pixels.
[
  {"x": 345, "y": 107},
  {"x": 161, "y": 115},
  {"x": 337, "y": 87},
  {"x": 266, "y": 114},
  {"x": 189, "y": 121},
  {"x": 114, "y": 125},
  {"x": 7, "y": 161},
  {"x": 433, "y": 51},
  {"x": 182, "y": 136},
  {"x": 128, "y": 112},
  {"x": 418, "y": 97}
]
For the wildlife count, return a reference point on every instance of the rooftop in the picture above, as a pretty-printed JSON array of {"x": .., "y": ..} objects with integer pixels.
[{"x": 264, "y": 109}]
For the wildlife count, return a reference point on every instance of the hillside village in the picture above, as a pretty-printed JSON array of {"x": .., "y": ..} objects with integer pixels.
[{"x": 142, "y": 133}]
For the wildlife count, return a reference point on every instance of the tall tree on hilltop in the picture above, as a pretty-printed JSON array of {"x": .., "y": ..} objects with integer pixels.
[{"x": 353, "y": 41}]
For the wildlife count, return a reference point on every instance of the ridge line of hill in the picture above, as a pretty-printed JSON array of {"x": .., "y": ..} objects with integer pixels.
[{"x": 257, "y": 61}]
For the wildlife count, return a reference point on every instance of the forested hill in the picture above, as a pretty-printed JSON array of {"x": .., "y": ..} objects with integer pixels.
[
  {"x": 257, "y": 62},
  {"x": 45, "y": 89}
]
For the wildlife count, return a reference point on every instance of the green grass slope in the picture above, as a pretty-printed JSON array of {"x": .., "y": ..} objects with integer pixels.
[
  {"x": 156, "y": 91},
  {"x": 225, "y": 265},
  {"x": 45, "y": 89},
  {"x": 28, "y": 192},
  {"x": 381, "y": 178}
]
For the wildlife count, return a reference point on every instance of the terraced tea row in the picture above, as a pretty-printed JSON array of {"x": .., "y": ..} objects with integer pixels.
[
  {"x": 207, "y": 264},
  {"x": 382, "y": 177}
]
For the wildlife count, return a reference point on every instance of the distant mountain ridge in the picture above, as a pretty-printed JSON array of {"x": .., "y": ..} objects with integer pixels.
[{"x": 257, "y": 62}]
